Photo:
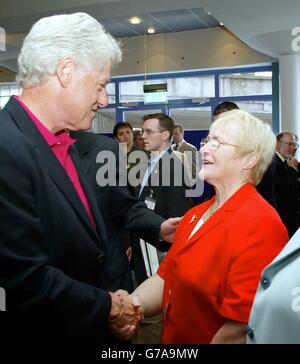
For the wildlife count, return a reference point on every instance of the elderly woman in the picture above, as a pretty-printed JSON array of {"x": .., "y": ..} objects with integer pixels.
[{"x": 207, "y": 282}]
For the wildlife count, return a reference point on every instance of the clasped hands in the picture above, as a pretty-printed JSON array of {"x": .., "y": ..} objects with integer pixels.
[{"x": 125, "y": 315}]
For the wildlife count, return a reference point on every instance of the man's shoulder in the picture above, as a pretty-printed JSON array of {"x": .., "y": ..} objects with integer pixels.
[
  {"x": 92, "y": 142},
  {"x": 187, "y": 146},
  {"x": 10, "y": 133}
]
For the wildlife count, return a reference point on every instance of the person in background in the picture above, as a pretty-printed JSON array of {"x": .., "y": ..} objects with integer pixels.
[
  {"x": 163, "y": 188},
  {"x": 138, "y": 140},
  {"x": 223, "y": 107},
  {"x": 189, "y": 150},
  {"x": 54, "y": 246},
  {"x": 122, "y": 213},
  {"x": 123, "y": 133},
  {"x": 206, "y": 284},
  {"x": 286, "y": 180}
]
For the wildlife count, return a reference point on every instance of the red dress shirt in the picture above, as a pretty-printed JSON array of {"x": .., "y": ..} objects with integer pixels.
[
  {"x": 212, "y": 276},
  {"x": 60, "y": 144}
]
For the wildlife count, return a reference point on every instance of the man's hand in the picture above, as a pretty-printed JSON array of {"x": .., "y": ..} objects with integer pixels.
[
  {"x": 129, "y": 253},
  {"x": 125, "y": 314},
  {"x": 292, "y": 162},
  {"x": 168, "y": 228}
]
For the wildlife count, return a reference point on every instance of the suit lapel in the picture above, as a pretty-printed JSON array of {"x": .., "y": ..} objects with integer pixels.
[
  {"x": 88, "y": 192},
  {"x": 83, "y": 150},
  {"x": 155, "y": 177},
  {"x": 50, "y": 161}
]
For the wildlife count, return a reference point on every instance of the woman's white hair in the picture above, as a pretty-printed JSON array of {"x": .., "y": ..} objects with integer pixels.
[
  {"x": 253, "y": 136},
  {"x": 78, "y": 36}
]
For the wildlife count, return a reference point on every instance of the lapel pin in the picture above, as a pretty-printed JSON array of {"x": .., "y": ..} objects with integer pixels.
[{"x": 193, "y": 219}]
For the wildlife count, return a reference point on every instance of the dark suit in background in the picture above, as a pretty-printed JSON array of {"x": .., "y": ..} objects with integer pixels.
[
  {"x": 285, "y": 184},
  {"x": 171, "y": 200},
  {"x": 266, "y": 187},
  {"x": 118, "y": 208}
]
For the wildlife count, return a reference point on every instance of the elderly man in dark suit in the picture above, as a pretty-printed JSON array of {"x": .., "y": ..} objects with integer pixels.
[
  {"x": 54, "y": 251},
  {"x": 286, "y": 180}
]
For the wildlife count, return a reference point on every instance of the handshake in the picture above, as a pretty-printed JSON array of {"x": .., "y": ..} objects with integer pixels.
[{"x": 125, "y": 314}]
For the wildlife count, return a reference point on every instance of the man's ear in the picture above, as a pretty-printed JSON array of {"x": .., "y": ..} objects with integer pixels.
[
  {"x": 65, "y": 70},
  {"x": 166, "y": 135},
  {"x": 250, "y": 160}
]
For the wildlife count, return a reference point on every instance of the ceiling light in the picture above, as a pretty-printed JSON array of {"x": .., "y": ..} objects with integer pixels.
[
  {"x": 151, "y": 30},
  {"x": 135, "y": 20},
  {"x": 221, "y": 23},
  {"x": 208, "y": 12}
]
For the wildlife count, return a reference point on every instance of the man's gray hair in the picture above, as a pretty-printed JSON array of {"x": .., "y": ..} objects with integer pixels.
[{"x": 78, "y": 36}]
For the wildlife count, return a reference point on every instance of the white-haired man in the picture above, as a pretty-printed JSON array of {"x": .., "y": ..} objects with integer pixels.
[{"x": 53, "y": 251}]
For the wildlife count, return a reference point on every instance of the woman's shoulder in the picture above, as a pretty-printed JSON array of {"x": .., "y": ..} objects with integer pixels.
[{"x": 256, "y": 212}]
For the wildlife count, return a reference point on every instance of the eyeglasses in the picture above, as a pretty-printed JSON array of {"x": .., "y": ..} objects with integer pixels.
[
  {"x": 150, "y": 132},
  {"x": 215, "y": 143},
  {"x": 290, "y": 144}
]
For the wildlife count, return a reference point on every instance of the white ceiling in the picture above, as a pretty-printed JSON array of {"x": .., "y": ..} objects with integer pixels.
[{"x": 264, "y": 25}]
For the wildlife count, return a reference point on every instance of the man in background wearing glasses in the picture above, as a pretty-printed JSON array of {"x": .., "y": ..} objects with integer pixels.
[
  {"x": 163, "y": 189},
  {"x": 286, "y": 180}
]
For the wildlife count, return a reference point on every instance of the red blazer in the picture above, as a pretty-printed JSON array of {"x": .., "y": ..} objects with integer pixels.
[{"x": 212, "y": 277}]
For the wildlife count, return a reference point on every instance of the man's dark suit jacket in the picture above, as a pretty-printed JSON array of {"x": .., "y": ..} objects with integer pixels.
[
  {"x": 119, "y": 208},
  {"x": 171, "y": 200},
  {"x": 285, "y": 184},
  {"x": 52, "y": 259},
  {"x": 266, "y": 187}
]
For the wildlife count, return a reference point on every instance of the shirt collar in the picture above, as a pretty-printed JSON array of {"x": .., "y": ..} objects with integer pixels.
[
  {"x": 155, "y": 158},
  {"x": 280, "y": 156},
  {"x": 51, "y": 139}
]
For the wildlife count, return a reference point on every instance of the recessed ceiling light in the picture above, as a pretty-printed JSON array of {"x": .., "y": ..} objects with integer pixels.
[
  {"x": 208, "y": 12},
  {"x": 151, "y": 30},
  {"x": 135, "y": 20}
]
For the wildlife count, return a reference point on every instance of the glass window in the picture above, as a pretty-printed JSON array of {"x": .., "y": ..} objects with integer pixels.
[
  {"x": 246, "y": 84},
  {"x": 132, "y": 91},
  {"x": 4, "y": 91},
  {"x": 104, "y": 121},
  {"x": 111, "y": 92},
  {"x": 192, "y": 118},
  {"x": 3, "y": 101},
  {"x": 260, "y": 109},
  {"x": 7, "y": 90},
  {"x": 135, "y": 117},
  {"x": 191, "y": 87},
  {"x": 178, "y": 88}
]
